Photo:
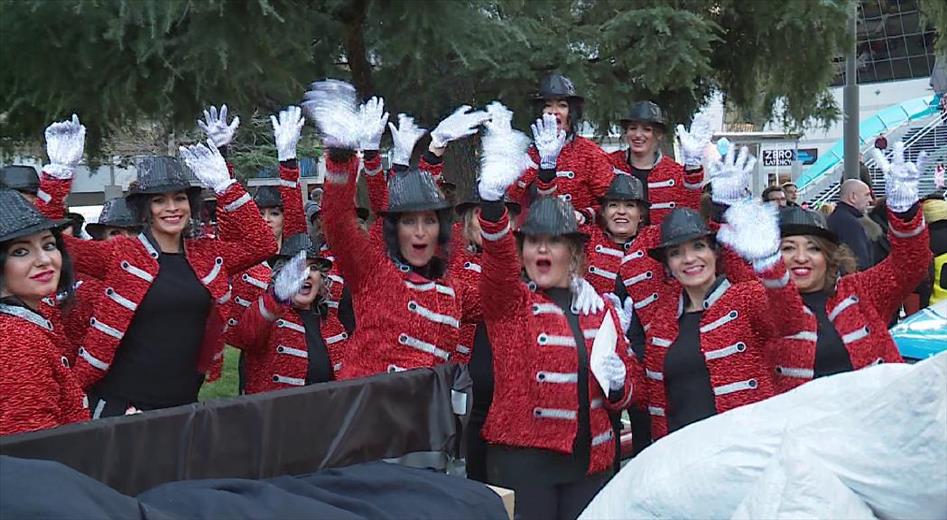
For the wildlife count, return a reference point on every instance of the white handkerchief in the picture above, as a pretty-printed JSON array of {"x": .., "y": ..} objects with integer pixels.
[{"x": 602, "y": 348}]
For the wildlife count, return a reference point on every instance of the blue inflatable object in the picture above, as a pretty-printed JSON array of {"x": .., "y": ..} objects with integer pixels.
[{"x": 922, "y": 334}]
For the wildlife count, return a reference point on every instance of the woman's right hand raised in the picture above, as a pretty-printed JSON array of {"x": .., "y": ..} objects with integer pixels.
[
  {"x": 332, "y": 106},
  {"x": 504, "y": 154}
]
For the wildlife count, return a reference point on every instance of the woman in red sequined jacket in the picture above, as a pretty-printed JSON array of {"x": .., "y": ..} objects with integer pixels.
[
  {"x": 162, "y": 288},
  {"x": 284, "y": 341},
  {"x": 559, "y": 365},
  {"x": 419, "y": 323},
  {"x": 549, "y": 413},
  {"x": 37, "y": 389},
  {"x": 708, "y": 349},
  {"x": 581, "y": 168},
  {"x": 667, "y": 184},
  {"x": 846, "y": 312}
]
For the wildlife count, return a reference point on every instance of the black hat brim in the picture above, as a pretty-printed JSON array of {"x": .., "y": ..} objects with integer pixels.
[
  {"x": 46, "y": 224},
  {"x": 624, "y": 122},
  {"x": 608, "y": 198},
  {"x": 324, "y": 263},
  {"x": 414, "y": 208},
  {"x": 95, "y": 228},
  {"x": 791, "y": 230},
  {"x": 575, "y": 235},
  {"x": 659, "y": 252},
  {"x": 539, "y": 98},
  {"x": 192, "y": 191}
]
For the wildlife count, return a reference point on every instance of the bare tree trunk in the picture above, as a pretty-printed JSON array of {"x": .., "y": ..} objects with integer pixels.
[{"x": 354, "y": 18}]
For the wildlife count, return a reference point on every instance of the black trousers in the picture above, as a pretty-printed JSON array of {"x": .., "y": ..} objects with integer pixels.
[
  {"x": 476, "y": 450},
  {"x": 538, "y": 500}
]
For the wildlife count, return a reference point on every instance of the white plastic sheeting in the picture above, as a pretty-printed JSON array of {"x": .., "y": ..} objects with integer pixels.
[
  {"x": 796, "y": 486},
  {"x": 881, "y": 430}
]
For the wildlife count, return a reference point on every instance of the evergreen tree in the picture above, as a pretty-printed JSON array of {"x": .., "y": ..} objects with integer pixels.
[{"x": 116, "y": 62}]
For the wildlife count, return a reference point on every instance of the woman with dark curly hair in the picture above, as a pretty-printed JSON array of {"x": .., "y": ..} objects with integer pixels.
[{"x": 846, "y": 315}]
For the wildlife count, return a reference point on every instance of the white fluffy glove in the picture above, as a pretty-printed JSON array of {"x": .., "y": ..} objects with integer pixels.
[
  {"x": 65, "y": 141},
  {"x": 332, "y": 106},
  {"x": 459, "y": 124},
  {"x": 624, "y": 310},
  {"x": 290, "y": 278},
  {"x": 730, "y": 176},
  {"x": 901, "y": 177},
  {"x": 752, "y": 230},
  {"x": 504, "y": 154},
  {"x": 216, "y": 128},
  {"x": 694, "y": 142},
  {"x": 614, "y": 371},
  {"x": 549, "y": 140},
  {"x": 404, "y": 136},
  {"x": 286, "y": 131},
  {"x": 585, "y": 300},
  {"x": 372, "y": 119},
  {"x": 208, "y": 166}
]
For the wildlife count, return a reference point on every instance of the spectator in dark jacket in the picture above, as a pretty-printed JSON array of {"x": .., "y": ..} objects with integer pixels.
[{"x": 845, "y": 220}]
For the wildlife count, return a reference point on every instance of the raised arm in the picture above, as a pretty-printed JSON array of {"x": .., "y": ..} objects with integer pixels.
[
  {"x": 889, "y": 282},
  {"x": 692, "y": 145},
  {"x": 500, "y": 282},
  {"x": 500, "y": 164},
  {"x": 240, "y": 216},
  {"x": 752, "y": 232},
  {"x": 286, "y": 131},
  {"x": 65, "y": 141}
]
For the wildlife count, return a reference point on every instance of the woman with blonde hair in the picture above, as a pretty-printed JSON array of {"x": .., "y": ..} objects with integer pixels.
[{"x": 548, "y": 428}]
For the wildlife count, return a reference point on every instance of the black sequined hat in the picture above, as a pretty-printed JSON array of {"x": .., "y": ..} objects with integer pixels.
[
  {"x": 414, "y": 190},
  {"x": 557, "y": 86},
  {"x": 794, "y": 220},
  {"x": 680, "y": 226},
  {"x": 115, "y": 213},
  {"x": 20, "y": 178},
  {"x": 551, "y": 216},
  {"x": 162, "y": 174},
  {"x": 644, "y": 112},
  {"x": 473, "y": 200},
  {"x": 293, "y": 244},
  {"x": 268, "y": 197},
  {"x": 19, "y": 218},
  {"x": 624, "y": 187}
]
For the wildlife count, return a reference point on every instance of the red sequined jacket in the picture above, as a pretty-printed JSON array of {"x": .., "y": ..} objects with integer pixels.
[
  {"x": 583, "y": 175},
  {"x": 405, "y": 321},
  {"x": 860, "y": 308},
  {"x": 737, "y": 330},
  {"x": 464, "y": 271},
  {"x": 38, "y": 390},
  {"x": 535, "y": 366},
  {"x": 126, "y": 268},
  {"x": 273, "y": 338},
  {"x": 333, "y": 331},
  {"x": 249, "y": 285},
  {"x": 669, "y": 185}
]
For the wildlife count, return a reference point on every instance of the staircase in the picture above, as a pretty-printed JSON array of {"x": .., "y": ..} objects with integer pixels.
[{"x": 930, "y": 137}]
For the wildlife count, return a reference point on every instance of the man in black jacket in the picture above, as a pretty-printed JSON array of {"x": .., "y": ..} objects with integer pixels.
[{"x": 854, "y": 199}]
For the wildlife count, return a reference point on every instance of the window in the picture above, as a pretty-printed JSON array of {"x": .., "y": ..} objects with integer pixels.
[{"x": 892, "y": 43}]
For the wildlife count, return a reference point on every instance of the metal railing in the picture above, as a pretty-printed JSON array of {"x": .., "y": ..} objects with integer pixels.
[{"x": 829, "y": 186}]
